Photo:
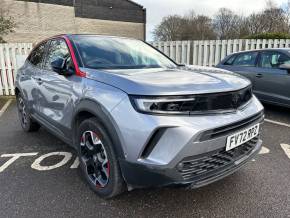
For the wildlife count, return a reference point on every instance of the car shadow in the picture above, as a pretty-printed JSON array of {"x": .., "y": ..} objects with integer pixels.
[
  {"x": 172, "y": 199},
  {"x": 277, "y": 113}
]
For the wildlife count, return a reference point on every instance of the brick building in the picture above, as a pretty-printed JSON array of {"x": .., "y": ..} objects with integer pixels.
[{"x": 38, "y": 19}]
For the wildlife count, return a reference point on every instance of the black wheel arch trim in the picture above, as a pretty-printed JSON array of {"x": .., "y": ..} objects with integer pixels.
[
  {"x": 96, "y": 109},
  {"x": 24, "y": 95},
  {"x": 20, "y": 91}
]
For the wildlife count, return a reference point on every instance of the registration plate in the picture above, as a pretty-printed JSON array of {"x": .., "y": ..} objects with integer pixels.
[{"x": 241, "y": 137}]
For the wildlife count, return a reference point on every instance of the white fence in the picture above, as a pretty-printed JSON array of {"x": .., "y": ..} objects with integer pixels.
[
  {"x": 9, "y": 66},
  {"x": 211, "y": 52},
  {"x": 178, "y": 50},
  {"x": 204, "y": 53}
]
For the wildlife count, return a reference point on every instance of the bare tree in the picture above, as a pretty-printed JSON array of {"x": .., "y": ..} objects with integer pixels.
[
  {"x": 198, "y": 27},
  {"x": 271, "y": 19},
  {"x": 225, "y": 23},
  {"x": 189, "y": 27},
  {"x": 170, "y": 29}
]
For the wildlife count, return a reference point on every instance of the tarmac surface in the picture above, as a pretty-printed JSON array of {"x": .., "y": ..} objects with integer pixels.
[{"x": 260, "y": 189}]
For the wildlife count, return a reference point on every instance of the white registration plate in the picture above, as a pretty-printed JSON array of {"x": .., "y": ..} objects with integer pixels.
[{"x": 241, "y": 137}]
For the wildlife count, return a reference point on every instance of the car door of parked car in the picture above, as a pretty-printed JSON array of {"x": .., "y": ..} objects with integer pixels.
[
  {"x": 29, "y": 77},
  {"x": 272, "y": 83},
  {"x": 55, "y": 105},
  {"x": 243, "y": 64}
]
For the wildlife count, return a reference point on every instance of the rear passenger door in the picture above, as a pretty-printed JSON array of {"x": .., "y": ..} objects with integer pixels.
[
  {"x": 28, "y": 77},
  {"x": 243, "y": 64},
  {"x": 273, "y": 83}
]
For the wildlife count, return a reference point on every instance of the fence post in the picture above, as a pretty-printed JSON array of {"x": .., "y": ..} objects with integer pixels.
[
  {"x": 205, "y": 53},
  {"x": 200, "y": 55},
  {"x": 171, "y": 50},
  {"x": 282, "y": 43},
  {"x": 229, "y": 45},
  {"x": 188, "y": 52},
  {"x": 275, "y": 43},
  {"x": 9, "y": 69},
  {"x": 247, "y": 44},
  {"x": 264, "y": 42},
  {"x": 177, "y": 54},
  {"x": 195, "y": 45},
  {"x": 3, "y": 70},
  {"x": 14, "y": 64},
  {"x": 211, "y": 53},
  {"x": 185, "y": 52},
  {"x": 165, "y": 50},
  {"x": 287, "y": 43},
  {"x": 223, "y": 53},
  {"x": 258, "y": 44},
  {"x": 217, "y": 51},
  {"x": 270, "y": 43},
  {"x": 235, "y": 45}
]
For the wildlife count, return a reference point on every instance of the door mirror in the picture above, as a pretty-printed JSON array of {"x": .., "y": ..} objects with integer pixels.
[
  {"x": 59, "y": 66},
  {"x": 285, "y": 67}
]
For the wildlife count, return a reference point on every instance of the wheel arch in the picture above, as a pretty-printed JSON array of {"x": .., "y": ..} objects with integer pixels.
[
  {"x": 88, "y": 108},
  {"x": 18, "y": 91}
]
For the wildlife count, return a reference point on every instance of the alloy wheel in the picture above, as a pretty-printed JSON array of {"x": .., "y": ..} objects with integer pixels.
[
  {"x": 22, "y": 111},
  {"x": 95, "y": 159}
]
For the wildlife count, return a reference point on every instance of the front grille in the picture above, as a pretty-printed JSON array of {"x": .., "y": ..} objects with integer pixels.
[
  {"x": 228, "y": 129},
  {"x": 211, "y": 103},
  {"x": 205, "y": 165}
]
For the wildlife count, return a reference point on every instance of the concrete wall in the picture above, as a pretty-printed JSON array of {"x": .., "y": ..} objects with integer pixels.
[{"x": 36, "y": 21}]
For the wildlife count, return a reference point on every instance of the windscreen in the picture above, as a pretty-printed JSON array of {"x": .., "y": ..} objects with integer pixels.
[{"x": 99, "y": 52}]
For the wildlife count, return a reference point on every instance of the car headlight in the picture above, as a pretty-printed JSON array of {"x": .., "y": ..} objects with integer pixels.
[
  {"x": 210, "y": 103},
  {"x": 163, "y": 105}
]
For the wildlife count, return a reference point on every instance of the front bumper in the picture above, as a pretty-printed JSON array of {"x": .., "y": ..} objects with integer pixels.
[
  {"x": 139, "y": 175},
  {"x": 154, "y": 146}
]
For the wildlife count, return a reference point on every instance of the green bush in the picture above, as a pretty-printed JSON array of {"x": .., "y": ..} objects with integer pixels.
[
  {"x": 2, "y": 40},
  {"x": 269, "y": 36}
]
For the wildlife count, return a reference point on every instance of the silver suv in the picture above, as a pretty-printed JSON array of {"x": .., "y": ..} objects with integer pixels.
[{"x": 136, "y": 118}]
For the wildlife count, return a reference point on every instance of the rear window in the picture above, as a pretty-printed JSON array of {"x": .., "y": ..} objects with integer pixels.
[
  {"x": 273, "y": 59},
  {"x": 37, "y": 55}
]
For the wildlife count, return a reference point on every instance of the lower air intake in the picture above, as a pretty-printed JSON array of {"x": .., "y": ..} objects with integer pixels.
[{"x": 210, "y": 163}]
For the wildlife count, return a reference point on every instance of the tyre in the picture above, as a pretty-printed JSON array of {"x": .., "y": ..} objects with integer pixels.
[
  {"x": 27, "y": 123},
  {"x": 98, "y": 161}
]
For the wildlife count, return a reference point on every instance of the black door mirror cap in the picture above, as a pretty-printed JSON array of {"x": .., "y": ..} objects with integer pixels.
[{"x": 59, "y": 66}]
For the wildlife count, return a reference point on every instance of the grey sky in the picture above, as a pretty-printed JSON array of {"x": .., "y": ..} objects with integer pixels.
[{"x": 156, "y": 9}]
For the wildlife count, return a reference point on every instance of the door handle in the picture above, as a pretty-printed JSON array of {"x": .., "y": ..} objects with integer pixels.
[
  {"x": 38, "y": 80},
  {"x": 259, "y": 75}
]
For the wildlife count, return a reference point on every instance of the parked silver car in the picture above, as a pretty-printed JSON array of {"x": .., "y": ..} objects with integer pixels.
[
  {"x": 136, "y": 118},
  {"x": 268, "y": 70}
]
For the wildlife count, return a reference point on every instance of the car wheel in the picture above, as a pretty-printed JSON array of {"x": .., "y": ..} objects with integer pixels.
[
  {"x": 27, "y": 123},
  {"x": 98, "y": 161}
]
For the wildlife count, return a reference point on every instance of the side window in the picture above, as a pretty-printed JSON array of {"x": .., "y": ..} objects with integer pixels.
[
  {"x": 246, "y": 59},
  {"x": 37, "y": 55},
  {"x": 273, "y": 59},
  {"x": 230, "y": 60},
  {"x": 58, "y": 49}
]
